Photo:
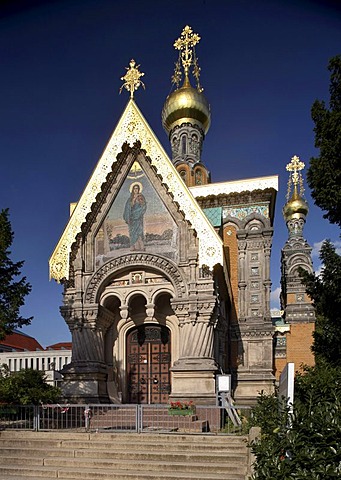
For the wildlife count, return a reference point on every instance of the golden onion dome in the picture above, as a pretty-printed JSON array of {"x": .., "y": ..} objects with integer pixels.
[
  {"x": 186, "y": 104},
  {"x": 296, "y": 207}
]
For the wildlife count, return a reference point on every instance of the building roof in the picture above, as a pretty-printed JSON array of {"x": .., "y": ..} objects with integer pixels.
[
  {"x": 60, "y": 346},
  {"x": 235, "y": 186},
  {"x": 18, "y": 341}
]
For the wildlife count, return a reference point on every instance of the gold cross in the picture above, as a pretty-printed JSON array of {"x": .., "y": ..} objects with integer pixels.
[
  {"x": 185, "y": 43},
  {"x": 132, "y": 78},
  {"x": 295, "y": 166}
]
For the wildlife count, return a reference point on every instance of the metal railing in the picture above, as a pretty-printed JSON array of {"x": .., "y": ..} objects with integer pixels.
[{"x": 124, "y": 418}]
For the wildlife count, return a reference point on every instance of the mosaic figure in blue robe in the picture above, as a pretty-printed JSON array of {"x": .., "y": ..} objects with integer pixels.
[{"x": 133, "y": 215}]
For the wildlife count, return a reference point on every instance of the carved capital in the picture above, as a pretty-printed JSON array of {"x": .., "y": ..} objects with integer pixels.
[
  {"x": 105, "y": 318},
  {"x": 124, "y": 311}
]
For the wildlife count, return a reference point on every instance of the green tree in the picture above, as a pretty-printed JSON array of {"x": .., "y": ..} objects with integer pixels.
[
  {"x": 307, "y": 446},
  {"x": 12, "y": 291},
  {"x": 324, "y": 173},
  {"x": 325, "y": 291},
  {"x": 324, "y": 179},
  {"x": 27, "y": 387}
]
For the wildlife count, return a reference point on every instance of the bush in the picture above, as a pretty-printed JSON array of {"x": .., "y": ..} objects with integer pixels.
[
  {"x": 27, "y": 387},
  {"x": 306, "y": 444}
]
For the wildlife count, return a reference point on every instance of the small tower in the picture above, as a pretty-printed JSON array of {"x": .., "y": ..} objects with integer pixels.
[
  {"x": 297, "y": 306},
  {"x": 186, "y": 113}
]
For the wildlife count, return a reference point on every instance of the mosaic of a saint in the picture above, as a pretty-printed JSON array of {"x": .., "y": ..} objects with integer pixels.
[
  {"x": 137, "y": 221},
  {"x": 133, "y": 215}
]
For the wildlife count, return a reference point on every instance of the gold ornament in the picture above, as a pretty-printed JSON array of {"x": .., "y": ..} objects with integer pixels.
[{"x": 132, "y": 78}]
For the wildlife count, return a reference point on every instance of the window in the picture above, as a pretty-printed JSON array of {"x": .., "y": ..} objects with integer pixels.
[
  {"x": 183, "y": 145},
  {"x": 198, "y": 177},
  {"x": 183, "y": 175},
  {"x": 254, "y": 271}
]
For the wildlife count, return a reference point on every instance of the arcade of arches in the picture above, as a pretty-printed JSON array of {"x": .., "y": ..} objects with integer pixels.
[{"x": 136, "y": 342}]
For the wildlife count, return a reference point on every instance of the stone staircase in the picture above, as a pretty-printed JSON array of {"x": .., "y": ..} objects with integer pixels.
[{"x": 130, "y": 456}]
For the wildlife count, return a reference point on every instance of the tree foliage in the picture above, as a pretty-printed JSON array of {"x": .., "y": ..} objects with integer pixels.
[
  {"x": 324, "y": 173},
  {"x": 325, "y": 291},
  {"x": 26, "y": 387},
  {"x": 305, "y": 445},
  {"x": 12, "y": 291}
]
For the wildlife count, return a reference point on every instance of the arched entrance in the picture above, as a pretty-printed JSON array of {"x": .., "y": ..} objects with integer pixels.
[{"x": 148, "y": 364}]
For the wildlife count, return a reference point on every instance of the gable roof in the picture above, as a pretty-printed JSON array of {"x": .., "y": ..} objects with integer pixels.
[{"x": 133, "y": 127}]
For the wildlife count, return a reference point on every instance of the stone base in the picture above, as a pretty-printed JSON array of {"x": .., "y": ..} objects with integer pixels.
[
  {"x": 81, "y": 386},
  {"x": 248, "y": 387},
  {"x": 194, "y": 379}
]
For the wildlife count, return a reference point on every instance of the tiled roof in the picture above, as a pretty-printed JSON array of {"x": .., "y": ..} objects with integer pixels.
[
  {"x": 21, "y": 342},
  {"x": 60, "y": 346}
]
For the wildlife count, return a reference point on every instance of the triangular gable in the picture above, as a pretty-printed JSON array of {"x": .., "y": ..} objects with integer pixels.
[{"x": 133, "y": 127}]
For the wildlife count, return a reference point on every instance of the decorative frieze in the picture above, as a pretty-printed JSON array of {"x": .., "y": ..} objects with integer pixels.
[
  {"x": 242, "y": 212},
  {"x": 126, "y": 261}
]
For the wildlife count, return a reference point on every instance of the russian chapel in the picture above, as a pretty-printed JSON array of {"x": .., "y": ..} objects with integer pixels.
[{"x": 166, "y": 275}]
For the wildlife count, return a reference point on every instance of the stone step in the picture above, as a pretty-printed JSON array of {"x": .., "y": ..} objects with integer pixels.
[
  {"x": 71, "y": 455},
  {"x": 160, "y": 445},
  {"x": 170, "y": 456},
  {"x": 58, "y": 435},
  {"x": 114, "y": 451},
  {"x": 46, "y": 473},
  {"x": 126, "y": 465},
  {"x": 6, "y": 452},
  {"x": 70, "y": 449}
]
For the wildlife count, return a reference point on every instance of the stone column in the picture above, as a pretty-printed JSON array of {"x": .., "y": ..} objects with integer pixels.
[
  {"x": 254, "y": 331},
  {"x": 85, "y": 377},
  {"x": 267, "y": 279},
  {"x": 193, "y": 375},
  {"x": 241, "y": 275}
]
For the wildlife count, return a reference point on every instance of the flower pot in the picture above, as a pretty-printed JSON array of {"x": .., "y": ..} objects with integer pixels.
[{"x": 187, "y": 411}]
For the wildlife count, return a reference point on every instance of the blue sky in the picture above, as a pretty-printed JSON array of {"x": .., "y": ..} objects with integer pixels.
[{"x": 263, "y": 64}]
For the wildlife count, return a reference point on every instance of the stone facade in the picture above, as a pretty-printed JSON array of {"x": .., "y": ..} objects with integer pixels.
[
  {"x": 166, "y": 275},
  {"x": 103, "y": 302},
  {"x": 218, "y": 318}
]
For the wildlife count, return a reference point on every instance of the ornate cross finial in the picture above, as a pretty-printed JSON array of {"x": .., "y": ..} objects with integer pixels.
[
  {"x": 295, "y": 178},
  {"x": 132, "y": 78},
  {"x": 185, "y": 44}
]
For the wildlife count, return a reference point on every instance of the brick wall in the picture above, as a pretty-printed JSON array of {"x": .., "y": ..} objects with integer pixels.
[
  {"x": 279, "y": 365},
  {"x": 299, "y": 341}
]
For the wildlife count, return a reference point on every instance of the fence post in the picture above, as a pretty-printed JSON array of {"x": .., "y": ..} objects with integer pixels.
[
  {"x": 87, "y": 416},
  {"x": 139, "y": 419},
  {"x": 36, "y": 418}
]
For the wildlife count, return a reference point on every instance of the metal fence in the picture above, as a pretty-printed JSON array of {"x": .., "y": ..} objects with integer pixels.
[{"x": 125, "y": 418}]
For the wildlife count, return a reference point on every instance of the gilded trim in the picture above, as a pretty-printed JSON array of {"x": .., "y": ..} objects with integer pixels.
[{"x": 133, "y": 127}]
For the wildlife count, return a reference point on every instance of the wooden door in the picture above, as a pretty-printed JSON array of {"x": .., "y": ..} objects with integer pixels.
[{"x": 148, "y": 364}]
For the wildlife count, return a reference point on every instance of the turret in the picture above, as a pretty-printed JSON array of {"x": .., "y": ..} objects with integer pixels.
[
  {"x": 186, "y": 113},
  {"x": 296, "y": 209}
]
